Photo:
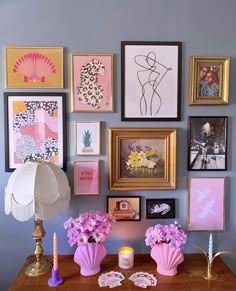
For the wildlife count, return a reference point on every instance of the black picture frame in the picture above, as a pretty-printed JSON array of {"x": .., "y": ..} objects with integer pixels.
[
  {"x": 124, "y": 208},
  {"x": 207, "y": 143},
  {"x": 151, "y": 80},
  {"x": 160, "y": 208},
  {"x": 47, "y": 141}
]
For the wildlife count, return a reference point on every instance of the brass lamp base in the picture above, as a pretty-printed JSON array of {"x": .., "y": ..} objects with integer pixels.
[{"x": 38, "y": 268}]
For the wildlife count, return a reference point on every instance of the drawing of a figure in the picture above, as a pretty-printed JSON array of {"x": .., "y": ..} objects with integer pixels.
[{"x": 150, "y": 76}]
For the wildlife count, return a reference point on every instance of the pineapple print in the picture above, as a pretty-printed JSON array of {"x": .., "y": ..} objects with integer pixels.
[{"x": 87, "y": 140}]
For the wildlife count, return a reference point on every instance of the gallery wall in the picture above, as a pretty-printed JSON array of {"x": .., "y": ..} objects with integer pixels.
[{"x": 99, "y": 27}]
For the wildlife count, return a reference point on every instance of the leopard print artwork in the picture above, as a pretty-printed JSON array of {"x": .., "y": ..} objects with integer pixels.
[{"x": 89, "y": 91}]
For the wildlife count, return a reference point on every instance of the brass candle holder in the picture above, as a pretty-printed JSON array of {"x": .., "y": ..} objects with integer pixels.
[{"x": 210, "y": 274}]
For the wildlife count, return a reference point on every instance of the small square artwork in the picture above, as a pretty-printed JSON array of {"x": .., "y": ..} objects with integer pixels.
[{"x": 160, "y": 208}]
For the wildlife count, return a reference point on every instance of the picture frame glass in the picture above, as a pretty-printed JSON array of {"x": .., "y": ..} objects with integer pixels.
[
  {"x": 207, "y": 143},
  {"x": 35, "y": 128},
  {"x": 86, "y": 177},
  {"x": 124, "y": 208},
  {"x": 206, "y": 203},
  {"x": 34, "y": 67},
  {"x": 160, "y": 208},
  {"x": 151, "y": 80},
  {"x": 142, "y": 158},
  {"x": 92, "y": 82},
  {"x": 87, "y": 138}
]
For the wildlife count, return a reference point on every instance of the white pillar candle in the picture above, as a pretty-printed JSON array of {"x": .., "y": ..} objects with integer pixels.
[{"x": 126, "y": 257}]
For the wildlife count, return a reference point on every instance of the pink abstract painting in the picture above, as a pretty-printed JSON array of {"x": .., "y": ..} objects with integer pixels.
[{"x": 206, "y": 203}]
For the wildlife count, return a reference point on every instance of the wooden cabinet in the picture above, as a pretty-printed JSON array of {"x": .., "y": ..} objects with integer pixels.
[{"x": 189, "y": 275}]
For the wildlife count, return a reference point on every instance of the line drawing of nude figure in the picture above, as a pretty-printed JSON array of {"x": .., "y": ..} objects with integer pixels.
[{"x": 149, "y": 79}]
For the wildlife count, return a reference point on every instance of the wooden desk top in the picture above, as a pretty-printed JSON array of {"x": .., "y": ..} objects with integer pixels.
[{"x": 189, "y": 275}]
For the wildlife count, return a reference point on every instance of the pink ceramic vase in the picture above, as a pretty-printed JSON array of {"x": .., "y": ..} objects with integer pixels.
[
  {"x": 89, "y": 257},
  {"x": 167, "y": 259}
]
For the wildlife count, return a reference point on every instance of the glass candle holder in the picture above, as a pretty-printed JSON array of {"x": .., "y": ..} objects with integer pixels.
[{"x": 126, "y": 257}]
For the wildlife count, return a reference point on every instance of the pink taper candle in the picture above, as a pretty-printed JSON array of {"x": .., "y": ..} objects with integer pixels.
[{"x": 55, "y": 252}]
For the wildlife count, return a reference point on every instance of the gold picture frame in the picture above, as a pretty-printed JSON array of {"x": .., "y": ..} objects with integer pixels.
[
  {"x": 34, "y": 67},
  {"x": 209, "y": 80},
  {"x": 142, "y": 158}
]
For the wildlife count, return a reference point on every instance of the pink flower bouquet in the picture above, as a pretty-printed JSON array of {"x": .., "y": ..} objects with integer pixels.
[
  {"x": 171, "y": 234},
  {"x": 92, "y": 226}
]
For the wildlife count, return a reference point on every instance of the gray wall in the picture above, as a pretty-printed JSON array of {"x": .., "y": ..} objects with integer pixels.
[{"x": 206, "y": 27}]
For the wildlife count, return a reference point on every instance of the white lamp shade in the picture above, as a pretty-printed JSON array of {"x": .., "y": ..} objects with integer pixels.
[{"x": 37, "y": 188}]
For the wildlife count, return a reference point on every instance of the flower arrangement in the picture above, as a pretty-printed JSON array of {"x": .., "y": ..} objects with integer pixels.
[
  {"x": 92, "y": 226},
  {"x": 172, "y": 234},
  {"x": 140, "y": 156}
]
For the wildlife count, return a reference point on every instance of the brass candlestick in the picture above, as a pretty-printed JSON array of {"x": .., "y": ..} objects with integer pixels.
[
  {"x": 210, "y": 274},
  {"x": 40, "y": 266}
]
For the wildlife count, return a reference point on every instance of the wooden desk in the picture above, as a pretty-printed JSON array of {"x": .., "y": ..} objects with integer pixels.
[{"x": 188, "y": 277}]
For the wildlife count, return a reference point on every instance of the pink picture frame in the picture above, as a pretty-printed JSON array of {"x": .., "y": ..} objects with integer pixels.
[
  {"x": 86, "y": 177},
  {"x": 206, "y": 203},
  {"x": 92, "y": 82}
]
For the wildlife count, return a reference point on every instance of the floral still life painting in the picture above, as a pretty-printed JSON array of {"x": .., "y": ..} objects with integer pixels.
[
  {"x": 34, "y": 128},
  {"x": 142, "y": 158}
]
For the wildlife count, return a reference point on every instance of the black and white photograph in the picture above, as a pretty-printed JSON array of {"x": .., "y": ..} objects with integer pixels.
[
  {"x": 160, "y": 208},
  {"x": 124, "y": 207},
  {"x": 207, "y": 143}
]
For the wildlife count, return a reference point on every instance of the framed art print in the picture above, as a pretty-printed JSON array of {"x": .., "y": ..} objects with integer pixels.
[
  {"x": 150, "y": 80},
  {"x": 87, "y": 138},
  {"x": 209, "y": 80},
  {"x": 142, "y": 158},
  {"x": 35, "y": 128},
  {"x": 86, "y": 177},
  {"x": 207, "y": 143},
  {"x": 206, "y": 197},
  {"x": 34, "y": 67},
  {"x": 92, "y": 82},
  {"x": 160, "y": 208},
  {"x": 124, "y": 208}
]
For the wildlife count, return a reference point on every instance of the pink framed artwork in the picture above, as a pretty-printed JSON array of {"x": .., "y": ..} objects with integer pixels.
[
  {"x": 34, "y": 67},
  {"x": 92, "y": 82},
  {"x": 206, "y": 203},
  {"x": 35, "y": 128},
  {"x": 86, "y": 177}
]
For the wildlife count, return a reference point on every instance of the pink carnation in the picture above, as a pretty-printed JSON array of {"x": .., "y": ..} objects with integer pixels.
[
  {"x": 172, "y": 234},
  {"x": 92, "y": 226}
]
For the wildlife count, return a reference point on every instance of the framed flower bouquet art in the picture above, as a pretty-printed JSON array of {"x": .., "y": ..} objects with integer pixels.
[
  {"x": 86, "y": 177},
  {"x": 35, "y": 128},
  {"x": 87, "y": 138},
  {"x": 92, "y": 82},
  {"x": 206, "y": 196},
  {"x": 150, "y": 80},
  {"x": 34, "y": 67},
  {"x": 142, "y": 158},
  {"x": 209, "y": 80}
]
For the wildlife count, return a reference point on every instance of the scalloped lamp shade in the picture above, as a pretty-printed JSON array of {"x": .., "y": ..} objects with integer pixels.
[{"x": 37, "y": 188}]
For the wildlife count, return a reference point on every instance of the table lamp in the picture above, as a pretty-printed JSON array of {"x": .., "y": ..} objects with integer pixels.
[{"x": 38, "y": 188}]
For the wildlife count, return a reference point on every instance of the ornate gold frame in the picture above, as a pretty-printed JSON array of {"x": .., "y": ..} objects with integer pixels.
[
  {"x": 165, "y": 136},
  {"x": 222, "y": 64}
]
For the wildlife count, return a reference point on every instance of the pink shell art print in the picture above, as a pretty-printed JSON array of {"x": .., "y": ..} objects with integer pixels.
[{"x": 34, "y": 67}]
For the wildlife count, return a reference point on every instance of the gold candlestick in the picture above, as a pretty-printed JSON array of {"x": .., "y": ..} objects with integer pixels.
[{"x": 210, "y": 274}]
